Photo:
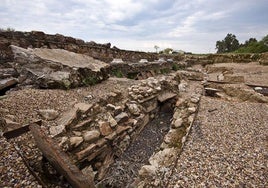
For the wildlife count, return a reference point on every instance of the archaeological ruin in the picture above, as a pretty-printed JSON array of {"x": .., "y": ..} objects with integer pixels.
[{"x": 82, "y": 114}]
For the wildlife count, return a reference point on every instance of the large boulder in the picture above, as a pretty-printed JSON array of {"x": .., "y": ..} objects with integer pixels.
[{"x": 58, "y": 68}]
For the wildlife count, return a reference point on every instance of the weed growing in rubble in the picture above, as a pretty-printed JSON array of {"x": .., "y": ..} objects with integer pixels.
[
  {"x": 118, "y": 73},
  {"x": 90, "y": 81},
  {"x": 164, "y": 71},
  {"x": 175, "y": 67}
]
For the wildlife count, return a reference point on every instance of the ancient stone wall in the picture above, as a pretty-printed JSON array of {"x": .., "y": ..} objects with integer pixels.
[
  {"x": 94, "y": 134},
  {"x": 38, "y": 39}
]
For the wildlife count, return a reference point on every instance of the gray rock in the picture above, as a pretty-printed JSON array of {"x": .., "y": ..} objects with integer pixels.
[
  {"x": 58, "y": 68},
  {"x": 111, "y": 120},
  {"x": 147, "y": 171},
  {"x": 133, "y": 108},
  {"x": 68, "y": 118},
  {"x": 56, "y": 130},
  {"x": 122, "y": 117}
]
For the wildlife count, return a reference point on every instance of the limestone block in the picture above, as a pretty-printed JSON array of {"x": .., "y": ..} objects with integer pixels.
[
  {"x": 191, "y": 110},
  {"x": 133, "y": 108},
  {"x": 76, "y": 141},
  {"x": 90, "y": 136},
  {"x": 178, "y": 123},
  {"x": 166, "y": 96}
]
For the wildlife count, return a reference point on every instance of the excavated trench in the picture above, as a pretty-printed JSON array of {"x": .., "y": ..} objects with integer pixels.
[{"x": 124, "y": 171}]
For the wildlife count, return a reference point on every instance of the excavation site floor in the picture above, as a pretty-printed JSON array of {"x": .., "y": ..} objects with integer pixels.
[
  {"x": 125, "y": 169},
  {"x": 227, "y": 147}
]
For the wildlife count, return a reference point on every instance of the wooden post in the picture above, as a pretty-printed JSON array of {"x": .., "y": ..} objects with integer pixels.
[{"x": 60, "y": 160}]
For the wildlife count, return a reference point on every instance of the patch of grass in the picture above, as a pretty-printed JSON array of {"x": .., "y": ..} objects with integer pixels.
[
  {"x": 117, "y": 73},
  {"x": 90, "y": 81},
  {"x": 165, "y": 71},
  {"x": 67, "y": 84},
  {"x": 132, "y": 75},
  {"x": 175, "y": 67}
]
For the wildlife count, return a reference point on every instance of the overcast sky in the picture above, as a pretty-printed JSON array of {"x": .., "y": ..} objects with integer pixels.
[{"x": 189, "y": 25}]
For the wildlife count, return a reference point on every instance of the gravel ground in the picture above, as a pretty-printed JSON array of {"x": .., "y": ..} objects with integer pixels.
[
  {"x": 125, "y": 169},
  {"x": 13, "y": 173},
  {"x": 23, "y": 106},
  {"x": 228, "y": 147}
]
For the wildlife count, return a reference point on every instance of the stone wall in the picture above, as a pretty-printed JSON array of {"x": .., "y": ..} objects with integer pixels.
[
  {"x": 38, "y": 39},
  {"x": 93, "y": 134}
]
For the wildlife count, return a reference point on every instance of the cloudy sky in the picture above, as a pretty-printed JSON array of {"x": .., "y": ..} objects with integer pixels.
[{"x": 189, "y": 25}]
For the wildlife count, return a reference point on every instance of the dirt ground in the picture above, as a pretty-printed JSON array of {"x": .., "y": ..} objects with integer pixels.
[{"x": 253, "y": 72}]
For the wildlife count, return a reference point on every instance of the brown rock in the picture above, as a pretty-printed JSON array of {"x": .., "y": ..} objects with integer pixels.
[
  {"x": 87, "y": 151},
  {"x": 83, "y": 107},
  {"x": 8, "y": 82},
  {"x": 121, "y": 129},
  {"x": 83, "y": 124},
  {"x": 105, "y": 128}
]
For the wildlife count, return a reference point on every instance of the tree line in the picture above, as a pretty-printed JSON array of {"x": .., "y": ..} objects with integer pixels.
[{"x": 252, "y": 45}]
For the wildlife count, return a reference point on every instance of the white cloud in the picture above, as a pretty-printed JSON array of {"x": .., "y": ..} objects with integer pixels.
[{"x": 191, "y": 25}]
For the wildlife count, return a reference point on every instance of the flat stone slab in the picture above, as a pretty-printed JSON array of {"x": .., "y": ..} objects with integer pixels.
[
  {"x": 166, "y": 96},
  {"x": 8, "y": 82}
]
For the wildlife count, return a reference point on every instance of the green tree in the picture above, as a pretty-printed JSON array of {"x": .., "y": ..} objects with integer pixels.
[
  {"x": 167, "y": 50},
  {"x": 250, "y": 41},
  {"x": 254, "y": 46},
  {"x": 265, "y": 40},
  {"x": 229, "y": 44}
]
